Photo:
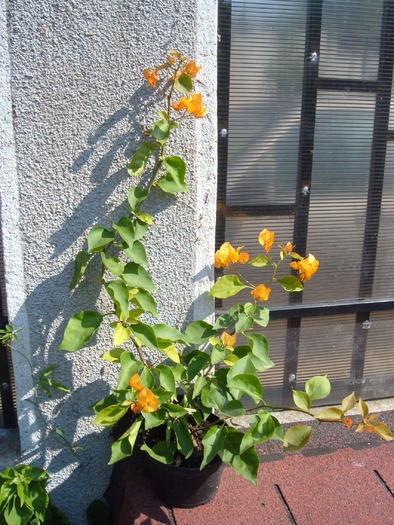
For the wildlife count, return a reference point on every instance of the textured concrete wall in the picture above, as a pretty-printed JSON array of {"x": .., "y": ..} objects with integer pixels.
[{"x": 71, "y": 73}]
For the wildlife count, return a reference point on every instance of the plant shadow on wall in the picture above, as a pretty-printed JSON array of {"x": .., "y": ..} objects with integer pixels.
[{"x": 180, "y": 391}]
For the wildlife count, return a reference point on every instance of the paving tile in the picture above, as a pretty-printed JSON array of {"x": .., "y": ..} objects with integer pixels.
[{"x": 340, "y": 487}]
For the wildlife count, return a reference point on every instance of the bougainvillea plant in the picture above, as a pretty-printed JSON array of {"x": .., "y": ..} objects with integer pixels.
[{"x": 173, "y": 380}]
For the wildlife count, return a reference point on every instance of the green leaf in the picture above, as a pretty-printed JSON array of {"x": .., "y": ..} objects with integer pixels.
[
  {"x": 135, "y": 275},
  {"x": 129, "y": 367},
  {"x": 183, "y": 83},
  {"x": 227, "y": 286},
  {"x": 126, "y": 229},
  {"x": 124, "y": 446},
  {"x": 145, "y": 334},
  {"x": 166, "y": 378},
  {"x": 259, "y": 261},
  {"x": 138, "y": 161},
  {"x": 113, "y": 355},
  {"x": 174, "y": 180},
  {"x": 198, "y": 332},
  {"x": 196, "y": 361},
  {"x": 161, "y": 130},
  {"x": 261, "y": 316},
  {"x": 302, "y": 400},
  {"x": 80, "y": 264},
  {"x": 260, "y": 350},
  {"x": 113, "y": 264},
  {"x": 243, "y": 323},
  {"x": 224, "y": 321},
  {"x": 233, "y": 408},
  {"x": 136, "y": 252},
  {"x": 318, "y": 387},
  {"x": 108, "y": 416},
  {"x": 329, "y": 414},
  {"x": 183, "y": 438},
  {"x": 211, "y": 397},
  {"x": 79, "y": 330},
  {"x": 290, "y": 283},
  {"x": 175, "y": 410},
  {"x": 161, "y": 452},
  {"x": 98, "y": 237},
  {"x": 245, "y": 464},
  {"x": 144, "y": 300},
  {"x": 118, "y": 292},
  {"x": 154, "y": 419},
  {"x": 166, "y": 332},
  {"x": 248, "y": 384},
  {"x": 213, "y": 443},
  {"x": 296, "y": 437},
  {"x": 136, "y": 197},
  {"x": 264, "y": 427}
]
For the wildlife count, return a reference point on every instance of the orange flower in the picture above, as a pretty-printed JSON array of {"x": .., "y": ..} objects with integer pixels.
[
  {"x": 261, "y": 293},
  {"x": 191, "y": 68},
  {"x": 147, "y": 402},
  {"x": 286, "y": 247},
  {"x": 151, "y": 77},
  {"x": 306, "y": 267},
  {"x": 348, "y": 422},
  {"x": 266, "y": 239},
  {"x": 228, "y": 255},
  {"x": 243, "y": 258},
  {"x": 227, "y": 339},
  {"x": 135, "y": 383},
  {"x": 192, "y": 104}
]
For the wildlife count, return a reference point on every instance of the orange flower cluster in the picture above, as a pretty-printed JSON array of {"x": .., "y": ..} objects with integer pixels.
[
  {"x": 348, "y": 422},
  {"x": 192, "y": 104},
  {"x": 266, "y": 239},
  {"x": 261, "y": 292},
  {"x": 146, "y": 401},
  {"x": 227, "y": 255},
  {"x": 151, "y": 77},
  {"x": 191, "y": 69},
  {"x": 227, "y": 339},
  {"x": 306, "y": 267}
]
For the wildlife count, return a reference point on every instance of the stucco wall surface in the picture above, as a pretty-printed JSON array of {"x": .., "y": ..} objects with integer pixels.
[{"x": 73, "y": 80}]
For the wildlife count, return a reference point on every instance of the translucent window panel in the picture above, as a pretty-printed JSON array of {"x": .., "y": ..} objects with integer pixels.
[
  {"x": 379, "y": 357},
  {"x": 350, "y": 39},
  {"x": 266, "y": 73},
  {"x": 326, "y": 346},
  {"x": 384, "y": 278},
  {"x": 340, "y": 176}
]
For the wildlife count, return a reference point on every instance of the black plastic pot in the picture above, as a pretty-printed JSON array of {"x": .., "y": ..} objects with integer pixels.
[{"x": 186, "y": 487}]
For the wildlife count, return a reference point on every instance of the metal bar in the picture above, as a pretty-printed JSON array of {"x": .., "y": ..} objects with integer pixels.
[
  {"x": 304, "y": 176},
  {"x": 257, "y": 211},
  {"x": 7, "y": 401},
  {"x": 375, "y": 190},
  {"x": 333, "y": 84}
]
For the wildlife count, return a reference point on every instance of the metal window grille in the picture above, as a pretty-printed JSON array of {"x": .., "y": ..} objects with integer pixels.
[{"x": 306, "y": 131}]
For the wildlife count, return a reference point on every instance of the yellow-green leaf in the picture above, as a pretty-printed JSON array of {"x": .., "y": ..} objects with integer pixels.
[
  {"x": 121, "y": 334},
  {"x": 348, "y": 402},
  {"x": 227, "y": 286},
  {"x": 329, "y": 414},
  {"x": 296, "y": 437}
]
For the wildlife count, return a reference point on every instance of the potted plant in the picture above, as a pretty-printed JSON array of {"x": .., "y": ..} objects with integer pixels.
[{"x": 183, "y": 389}]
